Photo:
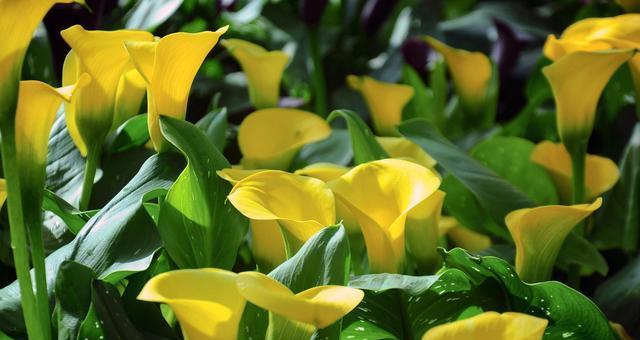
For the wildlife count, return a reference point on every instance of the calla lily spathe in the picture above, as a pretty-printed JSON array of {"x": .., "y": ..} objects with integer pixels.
[
  {"x": 601, "y": 173},
  {"x": 461, "y": 236},
  {"x": 538, "y": 234},
  {"x": 381, "y": 194},
  {"x": 270, "y": 138},
  {"x": 262, "y": 68},
  {"x": 169, "y": 66},
  {"x": 235, "y": 175},
  {"x": 384, "y": 100},
  {"x": 285, "y": 211},
  {"x": 400, "y": 147},
  {"x": 421, "y": 231},
  {"x": 101, "y": 54},
  {"x": 205, "y": 301},
  {"x": 491, "y": 326}
]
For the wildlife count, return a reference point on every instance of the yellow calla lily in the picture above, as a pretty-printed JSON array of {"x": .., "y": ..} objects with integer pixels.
[
  {"x": 270, "y": 138},
  {"x": 234, "y": 176},
  {"x": 421, "y": 231},
  {"x": 3, "y": 191},
  {"x": 576, "y": 91},
  {"x": 169, "y": 66},
  {"x": 318, "y": 306},
  {"x": 19, "y": 20},
  {"x": 262, "y": 68},
  {"x": 131, "y": 90},
  {"x": 538, "y": 234},
  {"x": 462, "y": 236},
  {"x": 101, "y": 54},
  {"x": 400, "y": 147},
  {"x": 385, "y": 101},
  {"x": 601, "y": 173},
  {"x": 491, "y": 326},
  {"x": 381, "y": 194},
  {"x": 206, "y": 301},
  {"x": 285, "y": 211},
  {"x": 470, "y": 72},
  {"x": 323, "y": 171}
]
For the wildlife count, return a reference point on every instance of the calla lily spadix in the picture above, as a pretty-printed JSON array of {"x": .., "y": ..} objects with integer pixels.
[
  {"x": 381, "y": 194},
  {"x": 384, "y": 100},
  {"x": 169, "y": 66},
  {"x": 601, "y": 173},
  {"x": 461, "y": 236},
  {"x": 491, "y": 326},
  {"x": 285, "y": 211},
  {"x": 205, "y": 301},
  {"x": 262, "y": 68},
  {"x": 270, "y": 138},
  {"x": 538, "y": 234},
  {"x": 400, "y": 147}
]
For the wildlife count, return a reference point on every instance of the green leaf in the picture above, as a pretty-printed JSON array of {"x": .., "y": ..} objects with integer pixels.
[
  {"x": 73, "y": 298},
  {"x": 365, "y": 146},
  {"x": 149, "y": 14},
  {"x": 214, "y": 125},
  {"x": 577, "y": 250},
  {"x": 495, "y": 194},
  {"x": 110, "y": 314},
  {"x": 422, "y": 103},
  {"x": 132, "y": 133},
  {"x": 198, "y": 226},
  {"x": 336, "y": 149},
  {"x": 72, "y": 217}
]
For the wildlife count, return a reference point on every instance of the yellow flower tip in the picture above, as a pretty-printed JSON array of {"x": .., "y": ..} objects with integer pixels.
[
  {"x": 538, "y": 234},
  {"x": 325, "y": 172},
  {"x": 577, "y": 93},
  {"x": 400, "y": 147},
  {"x": 319, "y": 306},
  {"x": 461, "y": 236},
  {"x": 601, "y": 173},
  {"x": 384, "y": 100},
  {"x": 620, "y": 331},
  {"x": 3, "y": 191},
  {"x": 270, "y": 138},
  {"x": 491, "y": 325},
  {"x": 194, "y": 296},
  {"x": 470, "y": 71},
  {"x": 380, "y": 195},
  {"x": 234, "y": 176}
]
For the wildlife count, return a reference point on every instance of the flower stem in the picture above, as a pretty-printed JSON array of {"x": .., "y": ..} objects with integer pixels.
[
  {"x": 34, "y": 224},
  {"x": 89, "y": 175},
  {"x": 317, "y": 74},
  {"x": 578, "y": 152}
]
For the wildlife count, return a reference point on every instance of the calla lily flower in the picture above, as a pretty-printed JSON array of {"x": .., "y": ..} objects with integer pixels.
[
  {"x": 234, "y": 176},
  {"x": 470, "y": 71},
  {"x": 325, "y": 172},
  {"x": 400, "y": 147},
  {"x": 577, "y": 81},
  {"x": 601, "y": 173},
  {"x": 20, "y": 18},
  {"x": 381, "y": 194},
  {"x": 319, "y": 306},
  {"x": 169, "y": 66},
  {"x": 491, "y": 325},
  {"x": 3, "y": 191},
  {"x": 385, "y": 101},
  {"x": 101, "y": 54},
  {"x": 206, "y": 301},
  {"x": 262, "y": 68},
  {"x": 131, "y": 91},
  {"x": 421, "y": 231},
  {"x": 270, "y": 138},
  {"x": 538, "y": 234},
  {"x": 462, "y": 236},
  {"x": 285, "y": 211}
]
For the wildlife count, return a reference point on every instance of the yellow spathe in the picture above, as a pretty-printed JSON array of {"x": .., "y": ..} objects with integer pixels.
[
  {"x": 601, "y": 173},
  {"x": 169, "y": 66},
  {"x": 400, "y": 147},
  {"x": 380, "y": 195},
  {"x": 206, "y": 301},
  {"x": 262, "y": 68},
  {"x": 3, "y": 191},
  {"x": 323, "y": 171},
  {"x": 234, "y": 176},
  {"x": 421, "y": 231},
  {"x": 491, "y": 326},
  {"x": 270, "y": 138},
  {"x": 318, "y": 306},
  {"x": 101, "y": 54},
  {"x": 384, "y": 100},
  {"x": 538, "y": 234},
  {"x": 462, "y": 236}
]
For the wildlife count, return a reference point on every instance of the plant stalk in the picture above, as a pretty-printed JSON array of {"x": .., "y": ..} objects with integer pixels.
[
  {"x": 578, "y": 152},
  {"x": 317, "y": 74},
  {"x": 34, "y": 225},
  {"x": 91, "y": 166}
]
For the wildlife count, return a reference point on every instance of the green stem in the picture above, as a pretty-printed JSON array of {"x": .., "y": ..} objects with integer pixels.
[
  {"x": 89, "y": 175},
  {"x": 18, "y": 232},
  {"x": 281, "y": 327},
  {"x": 39, "y": 267},
  {"x": 578, "y": 152},
  {"x": 319, "y": 83}
]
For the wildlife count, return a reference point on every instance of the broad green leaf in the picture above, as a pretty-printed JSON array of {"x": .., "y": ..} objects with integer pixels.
[
  {"x": 336, "y": 149},
  {"x": 110, "y": 315},
  {"x": 364, "y": 144},
  {"x": 120, "y": 239},
  {"x": 132, "y": 133},
  {"x": 422, "y": 103},
  {"x": 72, "y": 217},
  {"x": 73, "y": 298},
  {"x": 149, "y": 14},
  {"x": 198, "y": 226},
  {"x": 577, "y": 250},
  {"x": 214, "y": 125},
  {"x": 38, "y": 62}
]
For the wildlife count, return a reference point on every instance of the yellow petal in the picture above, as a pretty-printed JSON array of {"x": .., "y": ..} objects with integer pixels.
[
  {"x": 601, "y": 173},
  {"x": 538, "y": 234},
  {"x": 555, "y": 48},
  {"x": 301, "y": 205},
  {"x": 3, "y": 191},
  {"x": 102, "y": 55},
  {"x": 491, "y": 326},
  {"x": 206, "y": 301},
  {"x": 470, "y": 71},
  {"x": 234, "y": 176},
  {"x": 323, "y": 171},
  {"x": 270, "y": 138},
  {"x": 385, "y": 101},
  {"x": 380, "y": 194},
  {"x": 319, "y": 306},
  {"x": 70, "y": 72},
  {"x": 619, "y": 329},
  {"x": 131, "y": 90},
  {"x": 400, "y": 147},
  {"x": 421, "y": 231},
  {"x": 262, "y": 68},
  {"x": 268, "y": 245},
  {"x": 577, "y": 81},
  {"x": 169, "y": 66},
  {"x": 461, "y": 236}
]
